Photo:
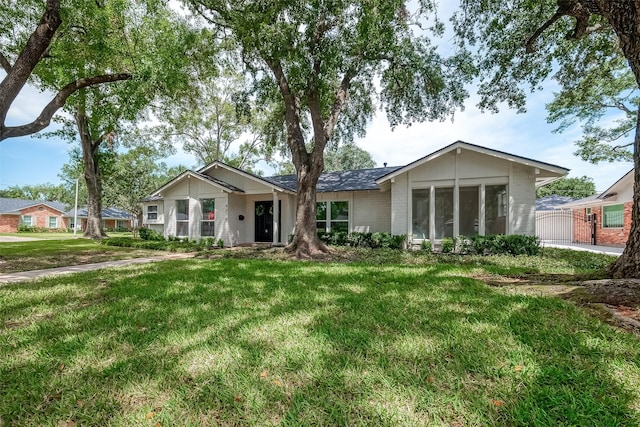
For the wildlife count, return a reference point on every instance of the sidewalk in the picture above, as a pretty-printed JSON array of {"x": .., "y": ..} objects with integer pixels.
[
  {"x": 607, "y": 250},
  {"x": 50, "y": 272}
]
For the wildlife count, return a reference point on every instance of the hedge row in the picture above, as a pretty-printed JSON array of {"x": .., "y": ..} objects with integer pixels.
[
  {"x": 515, "y": 244},
  {"x": 363, "y": 240}
]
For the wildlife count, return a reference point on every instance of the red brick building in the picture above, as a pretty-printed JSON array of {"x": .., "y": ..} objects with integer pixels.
[
  {"x": 605, "y": 218},
  {"x": 16, "y": 212}
]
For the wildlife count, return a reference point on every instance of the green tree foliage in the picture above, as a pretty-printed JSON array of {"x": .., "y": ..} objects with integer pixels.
[
  {"x": 327, "y": 63},
  {"x": 517, "y": 44},
  {"x": 347, "y": 157},
  {"x": 48, "y": 192},
  {"x": 146, "y": 39},
  {"x": 576, "y": 188}
]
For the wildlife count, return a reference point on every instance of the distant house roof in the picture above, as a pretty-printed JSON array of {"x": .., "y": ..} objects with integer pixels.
[
  {"x": 107, "y": 213},
  {"x": 551, "y": 202},
  {"x": 599, "y": 199},
  {"x": 349, "y": 180},
  {"x": 14, "y": 206}
]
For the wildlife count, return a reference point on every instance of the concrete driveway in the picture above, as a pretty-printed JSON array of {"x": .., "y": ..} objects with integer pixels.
[{"x": 7, "y": 239}]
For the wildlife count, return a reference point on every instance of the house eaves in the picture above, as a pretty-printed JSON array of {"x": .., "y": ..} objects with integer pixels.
[
  {"x": 224, "y": 186},
  {"x": 488, "y": 151},
  {"x": 618, "y": 186},
  {"x": 9, "y": 206},
  {"x": 256, "y": 178}
]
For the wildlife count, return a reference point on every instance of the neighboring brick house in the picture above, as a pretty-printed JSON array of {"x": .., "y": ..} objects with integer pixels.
[
  {"x": 53, "y": 215},
  {"x": 606, "y": 217},
  {"x": 461, "y": 189},
  {"x": 35, "y": 213}
]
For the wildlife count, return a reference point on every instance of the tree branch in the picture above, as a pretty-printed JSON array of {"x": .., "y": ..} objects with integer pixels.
[
  {"x": 29, "y": 57},
  {"x": 530, "y": 44},
  {"x": 58, "y": 101},
  {"x": 338, "y": 103},
  {"x": 5, "y": 63}
]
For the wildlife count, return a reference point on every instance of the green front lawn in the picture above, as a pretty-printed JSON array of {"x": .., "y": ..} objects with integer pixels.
[
  {"x": 267, "y": 342},
  {"x": 40, "y": 254}
]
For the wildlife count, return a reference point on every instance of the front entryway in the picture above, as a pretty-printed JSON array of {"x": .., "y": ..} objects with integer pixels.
[{"x": 264, "y": 221}]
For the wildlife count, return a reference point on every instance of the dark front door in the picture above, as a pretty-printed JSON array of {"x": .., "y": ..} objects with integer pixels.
[{"x": 264, "y": 221}]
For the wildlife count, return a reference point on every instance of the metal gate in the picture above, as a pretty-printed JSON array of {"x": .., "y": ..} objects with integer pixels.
[{"x": 565, "y": 227}]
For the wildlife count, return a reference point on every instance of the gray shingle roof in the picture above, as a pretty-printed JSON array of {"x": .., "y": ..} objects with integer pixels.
[
  {"x": 548, "y": 203},
  {"x": 107, "y": 213},
  {"x": 14, "y": 206},
  {"x": 350, "y": 180}
]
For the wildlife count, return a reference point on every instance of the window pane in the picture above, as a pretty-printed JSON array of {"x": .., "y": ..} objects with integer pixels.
[
  {"x": 321, "y": 211},
  {"x": 208, "y": 209},
  {"x": 153, "y": 208},
  {"x": 495, "y": 210},
  {"x": 613, "y": 216},
  {"x": 340, "y": 211},
  {"x": 444, "y": 212},
  {"x": 420, "y": 213},
  {"x": 207, "y": 229},
  {"x": 182, "y": 228},
  {"x": 53, "y": 222},
  {"x": 321, "y": 225},
  {"x": 469, "y": 200},
  {"x": 340, "y": 226},
  {"x": 182, "y": 210},
  {"x": 26, "y": 220}
]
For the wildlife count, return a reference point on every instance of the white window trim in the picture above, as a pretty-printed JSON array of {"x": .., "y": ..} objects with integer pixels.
[
  {"x": 49, "y": 222},
  {"x": 602, "y": 226},
  {"x": 328, "y": 219},
  {"x": 152, "y": 212}
]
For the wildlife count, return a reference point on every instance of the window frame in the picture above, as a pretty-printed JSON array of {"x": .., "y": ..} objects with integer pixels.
[
  {"x": 152, "y": 212},
  {"x": 182, "y": 221},
  {"x": 327, "y": 220},
  {"x": 55, "y": 218},
  {"x": 211, "y": 222},
  {"x": 23, "y": 222},
  {"x": 604, "y": 216}
]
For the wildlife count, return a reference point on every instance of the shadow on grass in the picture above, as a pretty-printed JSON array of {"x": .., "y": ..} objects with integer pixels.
[{"x": 263, "y": 342}]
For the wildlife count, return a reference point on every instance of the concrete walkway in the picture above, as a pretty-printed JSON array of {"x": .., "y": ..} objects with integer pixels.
[
  {"x": 607, "y": 250},
  {"x": 50, "y": 272}
]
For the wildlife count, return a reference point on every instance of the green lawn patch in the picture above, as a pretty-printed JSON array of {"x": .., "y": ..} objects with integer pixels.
[
  {"x": 268, "y": 342},
  {"x": 41, "y": 254}
]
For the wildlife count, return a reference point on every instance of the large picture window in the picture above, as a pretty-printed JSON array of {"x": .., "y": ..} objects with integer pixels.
[
  {"x": 469, "y": 207},
  {"x": 444, "y": 212},
  {"x": 332, "y": 216},
  {"x": 420, "y": 213},
  {"x": 207, "y": 225},
  {"x": 613, "y": 216},
  {"x": 182, "y": 218}
]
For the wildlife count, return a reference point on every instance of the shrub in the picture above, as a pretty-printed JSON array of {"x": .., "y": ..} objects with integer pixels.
[
  {"x": 362, "y": 240},
  {"x": 514, "y": 244},
  {"x": 149, "y": 234},
  {"x": 426, "y": 246},
  {"x": 446, "y": 245},
  {"x": 220, "y": 243}
]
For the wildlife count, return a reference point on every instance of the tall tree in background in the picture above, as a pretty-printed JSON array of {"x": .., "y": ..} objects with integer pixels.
[
  {"x": 324, "y": 62},
  {"x": 522, "y": 39},
  {"x": 142, "y": 37},
  {"x": 576, "y": 188},
  {"x": 25, "y": 44},
  {"x": 347, "y": 157}
]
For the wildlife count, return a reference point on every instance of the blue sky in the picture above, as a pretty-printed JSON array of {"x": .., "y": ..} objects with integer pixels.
[{"x": 32, "y": 160}]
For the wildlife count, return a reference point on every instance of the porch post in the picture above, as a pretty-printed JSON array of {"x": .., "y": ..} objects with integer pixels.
[
  {"x": 276, "y": 217},
  {"x": 432, "y": 216},
  {"x": 481, "y": 211}
]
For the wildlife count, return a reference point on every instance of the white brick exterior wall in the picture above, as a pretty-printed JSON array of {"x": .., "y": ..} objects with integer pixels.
[
  {"x": 400, "y": 205},
  {"x": 522, "y": 201},
  {"x": 371, "y": 212}
]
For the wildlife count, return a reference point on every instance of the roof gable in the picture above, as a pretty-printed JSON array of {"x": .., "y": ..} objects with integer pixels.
[
  {"x": 224, "y": 186},
  {"x": 559, "y": 170},
  {"x": 264, "y": 181},
  {"x": 14, "y": 206}
]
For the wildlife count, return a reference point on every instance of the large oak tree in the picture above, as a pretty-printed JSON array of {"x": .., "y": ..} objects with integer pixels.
[
  {"x": 330, "y": 64},
  {"x": 519, "y": 41}
]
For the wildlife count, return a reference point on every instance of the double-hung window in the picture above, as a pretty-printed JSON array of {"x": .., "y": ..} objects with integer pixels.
[
  {"x": 207, "y": 225},
  {"x": 152, "y": 212},
  {"x": 182, "y": 218},
  {"x": 53, "y": 222},
  {"x": 27, "y": 220}
]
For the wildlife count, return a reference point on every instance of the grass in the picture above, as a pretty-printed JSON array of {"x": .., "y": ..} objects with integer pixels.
[
  {"x": 61, "y": 235},
  {"x": 270, "y": 342},
  {"x": 41, "y": 254}
]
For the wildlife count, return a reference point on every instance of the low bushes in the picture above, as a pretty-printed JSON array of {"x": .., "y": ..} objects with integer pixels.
[
  {"x": 173, "y": 244},
  {"x": 362, "y": 240},
  {"x": 496, "y": 244}
]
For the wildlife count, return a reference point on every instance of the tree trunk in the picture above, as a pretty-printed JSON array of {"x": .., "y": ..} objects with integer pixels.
[
  {"x": 628, "y": 264},
  {"x": 624, "y": 17},
  {"x": 306, "y": 243},
  {"x": 92, "y": 178}
]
